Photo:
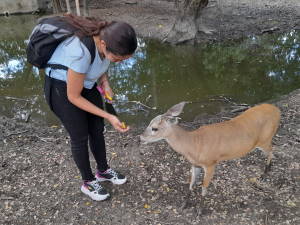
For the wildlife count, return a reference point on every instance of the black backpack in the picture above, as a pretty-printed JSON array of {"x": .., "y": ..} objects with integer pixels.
[{"x": 46, "y": 36}]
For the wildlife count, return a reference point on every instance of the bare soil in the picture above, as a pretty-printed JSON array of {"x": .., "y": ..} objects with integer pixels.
[
  {"x": 230, "y": 19},
  {"x": 40, "y": 183}
]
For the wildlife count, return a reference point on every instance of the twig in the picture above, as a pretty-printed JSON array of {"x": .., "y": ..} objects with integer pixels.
[
  {"x": 6, "y": 198},
  {"x": 14, "y": 98},
  {"x": 17, "y": 133},
  {"x": 266, "y": 219},
  {"x": 139, "y": 103},
  {"x": 223, "y": 99},
  {"x": 240, "y": 109},
  {"x": 111, "y": 159},
  {"x": 259, "y": 188},
  {"x": 226, "y": 118},
  {"x": 147, "y": 99},
  {"x": 270, "y": 30},
  {"x": 47, "y": 140},
  {"x": 27, "y": 117},
  {"x": 166, "y": 36}
]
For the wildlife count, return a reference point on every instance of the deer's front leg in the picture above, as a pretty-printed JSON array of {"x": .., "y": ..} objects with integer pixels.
[
  {"x": 208, "y": 174},
  {"x": 195, "y": 171}
]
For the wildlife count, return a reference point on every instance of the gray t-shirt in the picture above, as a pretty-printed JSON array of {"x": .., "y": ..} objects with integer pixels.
[{"x": 73, "y": 54}]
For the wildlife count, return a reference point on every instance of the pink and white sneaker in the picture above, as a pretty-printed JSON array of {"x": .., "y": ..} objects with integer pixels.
[
  {"x": 111, "y": 175},
  {"x": 94, "y": 190}
]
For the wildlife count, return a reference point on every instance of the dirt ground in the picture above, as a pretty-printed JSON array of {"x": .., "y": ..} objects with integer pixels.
[
  {"x": 230, "y": 19},
  {"x": 40, "y": 183}
]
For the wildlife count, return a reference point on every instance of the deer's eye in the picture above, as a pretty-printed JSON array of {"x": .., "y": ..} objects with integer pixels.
[{"x": 154, "y": 129}]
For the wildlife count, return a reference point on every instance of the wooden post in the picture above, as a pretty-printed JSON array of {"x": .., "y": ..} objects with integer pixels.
[
  {"x": 77, "y": 7},
  {"x": 85, "y": 5},
  {"x": 68, "y": 6},
  {"x": 57, "y": 8}
]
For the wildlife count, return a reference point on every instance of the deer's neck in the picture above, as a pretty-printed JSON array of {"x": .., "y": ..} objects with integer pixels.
[{"x": 184, "y": 142}]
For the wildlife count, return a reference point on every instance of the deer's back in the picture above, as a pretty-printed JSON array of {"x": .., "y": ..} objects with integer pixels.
[{"x": 236, "y": 137}]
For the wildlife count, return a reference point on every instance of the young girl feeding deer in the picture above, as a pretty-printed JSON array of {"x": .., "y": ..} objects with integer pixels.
[{"x": 74, "y": 69}]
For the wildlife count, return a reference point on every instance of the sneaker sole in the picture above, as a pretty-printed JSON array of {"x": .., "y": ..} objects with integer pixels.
[
  {"x": 118, "y": 182},
  {"x": 94, "y": 197}
]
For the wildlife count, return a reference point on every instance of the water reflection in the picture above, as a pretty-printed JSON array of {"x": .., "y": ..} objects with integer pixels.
[
  {"x": 9, "y": 68},
  {"x": 255, "y": 70},
  {"x": 251, "y": 71}
]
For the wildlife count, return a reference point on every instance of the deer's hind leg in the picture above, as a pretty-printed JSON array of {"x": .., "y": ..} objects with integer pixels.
[
  {"x": 195, "y": 171},
  {"x": 267, "y": 148}
]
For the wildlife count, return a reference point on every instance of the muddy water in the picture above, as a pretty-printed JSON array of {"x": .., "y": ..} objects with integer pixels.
[{"x": 248, "y": 71}]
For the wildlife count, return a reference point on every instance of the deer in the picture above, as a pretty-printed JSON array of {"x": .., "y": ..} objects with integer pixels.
[{"x": 208, "y": 145}]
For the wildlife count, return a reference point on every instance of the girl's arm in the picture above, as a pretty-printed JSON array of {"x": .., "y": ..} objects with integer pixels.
[{"x": 74, "y": 88}]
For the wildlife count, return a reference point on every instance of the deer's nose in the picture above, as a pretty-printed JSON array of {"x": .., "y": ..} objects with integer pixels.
[{"x": 142, "y": 140}]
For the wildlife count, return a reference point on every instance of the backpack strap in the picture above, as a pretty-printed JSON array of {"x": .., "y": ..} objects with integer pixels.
[{"x": 89, "y": 44}]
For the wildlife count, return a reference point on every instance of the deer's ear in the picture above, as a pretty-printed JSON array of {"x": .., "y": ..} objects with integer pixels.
[
  {"x": 176, "y": 109},
  {"x": 173, "y": 120}
]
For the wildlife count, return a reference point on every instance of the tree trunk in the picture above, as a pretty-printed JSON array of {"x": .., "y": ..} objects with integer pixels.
[
  {"x": 187, "y": 24},
  {"x": 85, "y": 7},
  {"x": 77, "y": 3},
  {"x": 68, "y": 6},
  {"x": 57, "y": 6}
]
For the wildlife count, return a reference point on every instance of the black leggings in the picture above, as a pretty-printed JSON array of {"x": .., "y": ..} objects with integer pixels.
[{"x": 83, "y": 127}]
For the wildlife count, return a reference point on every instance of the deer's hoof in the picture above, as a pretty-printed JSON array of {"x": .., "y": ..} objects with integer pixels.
[{"x": 204, "y": 191}]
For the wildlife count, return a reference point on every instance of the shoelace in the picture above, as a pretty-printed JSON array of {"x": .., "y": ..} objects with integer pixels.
[
  {"x": 95, "y": 185},
  {"x": 112, "y": 172}
]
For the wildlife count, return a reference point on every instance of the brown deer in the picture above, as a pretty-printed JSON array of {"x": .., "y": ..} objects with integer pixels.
[{"x": 208, "y": 145}]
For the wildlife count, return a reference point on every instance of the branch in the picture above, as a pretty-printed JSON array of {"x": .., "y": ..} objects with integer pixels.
[
  {"x": 17, "y": 133},
  {"x": 139, "y": 103}
]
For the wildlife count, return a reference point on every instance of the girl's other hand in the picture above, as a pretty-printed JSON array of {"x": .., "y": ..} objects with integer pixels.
[
  {"x": 107, "y": 89},
  {"x": 115, "y": 122}
]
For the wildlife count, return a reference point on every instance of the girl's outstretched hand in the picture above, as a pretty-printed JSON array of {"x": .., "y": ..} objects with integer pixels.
[
  {"x": 107, "y": 89},
  {"x": 117, "y": 124}
]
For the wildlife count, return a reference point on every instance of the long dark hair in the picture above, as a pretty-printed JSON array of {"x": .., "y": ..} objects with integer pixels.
[{"x": 120, "y": 37}]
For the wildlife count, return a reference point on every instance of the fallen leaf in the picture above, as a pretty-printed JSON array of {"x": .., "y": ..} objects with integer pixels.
[
  {"x": 253, "y": 180},
  {"x": 156, "y": 211},
  {"x": 291, "y": 203},
  {"x": 146, "y": 206}
]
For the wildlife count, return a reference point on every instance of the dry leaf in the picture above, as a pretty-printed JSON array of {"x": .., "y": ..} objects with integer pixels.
[
  {"x": 146, "y": 206},
  {"x": 291, "y": 203},
  {"x": 156, "y": 211},
  {"x": 253, "y": 180}
]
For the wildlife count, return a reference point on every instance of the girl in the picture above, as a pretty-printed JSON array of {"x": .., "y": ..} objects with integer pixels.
[{"x": 72, "y": 93}]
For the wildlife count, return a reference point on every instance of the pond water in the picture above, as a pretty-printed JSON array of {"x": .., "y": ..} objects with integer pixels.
[{"x": 250, "y": 71}]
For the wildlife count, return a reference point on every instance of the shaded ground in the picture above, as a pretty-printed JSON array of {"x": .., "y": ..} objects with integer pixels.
[
  {"x": 40, "y": 183},
  {"x": 231, "y": 19}
]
